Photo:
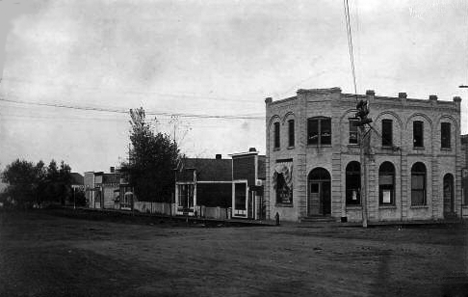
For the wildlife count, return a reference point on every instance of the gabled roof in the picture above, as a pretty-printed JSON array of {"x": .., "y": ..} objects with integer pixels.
[{"x": 210, "y": 169}]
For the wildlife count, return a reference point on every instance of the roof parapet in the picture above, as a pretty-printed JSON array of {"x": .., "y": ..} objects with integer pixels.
[{"x": 320, "y": 91}]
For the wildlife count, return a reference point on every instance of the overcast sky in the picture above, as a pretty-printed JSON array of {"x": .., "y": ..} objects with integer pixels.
[{"x": 217, "y": 58}]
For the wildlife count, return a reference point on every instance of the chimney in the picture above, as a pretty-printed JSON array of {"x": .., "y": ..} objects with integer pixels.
[
  {"x": 268, "y": 100},
  {"x": 402, "y": 95},
  {"x": 457, "y": 101},
  {"x": 252, "y": 149},
  {"x": 112, "y": 169},
  {"x": 218, "y": 157}
]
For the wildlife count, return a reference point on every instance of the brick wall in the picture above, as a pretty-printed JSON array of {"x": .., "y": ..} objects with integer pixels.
[{"x": 335, "y": 157}]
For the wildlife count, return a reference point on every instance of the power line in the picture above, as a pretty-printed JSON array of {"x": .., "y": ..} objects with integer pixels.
[
  {"x": 350, "y": 43},
  {"x": 130, "y": 92},
  {"x": 120, "y": 111}
]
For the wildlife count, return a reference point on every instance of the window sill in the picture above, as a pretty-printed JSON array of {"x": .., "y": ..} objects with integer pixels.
[
  {"x": 291, "y": 147},
  {"x": 284, "y": 205},
  {"x": 387, "y": 207},
  {"x": 419, "y": 207},
  {"x": 446, "y": 149},
  {"x": 387, "y": 147},
  {"x": 319, "y": 145},
  {"x": 353, "y": 207},
  {"x": 418, "y": 148},
  {"x": 353, "y": 145},
  {"x": 275, "y": 149}
]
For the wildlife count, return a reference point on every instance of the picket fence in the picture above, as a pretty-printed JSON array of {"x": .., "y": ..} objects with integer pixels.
[{"x": 219, "y": 213}]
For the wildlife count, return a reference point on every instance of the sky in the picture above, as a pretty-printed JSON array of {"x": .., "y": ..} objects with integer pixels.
[{"x": 71, "y": 69}]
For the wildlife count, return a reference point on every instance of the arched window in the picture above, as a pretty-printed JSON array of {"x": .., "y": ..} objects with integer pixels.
[
  {"x": 276, "y": 135},
  {"x": 353, "y": 183},
  {"x": 291, "y": 133},
  {"x": 448, "y": 194},
  {"x": 418, "y": 184},
  {"x": 387, "y": 184}
]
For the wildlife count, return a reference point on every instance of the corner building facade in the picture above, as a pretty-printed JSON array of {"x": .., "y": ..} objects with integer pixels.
[{"x": 413, "y": 166}]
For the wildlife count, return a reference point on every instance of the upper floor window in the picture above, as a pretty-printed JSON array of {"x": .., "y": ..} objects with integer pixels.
[
  {"x": 387, "y": 184},
  {"x": 387, "y": 132},
  {"x": 353, "y": 131},
  {"x": 445, "y": 137},
  {"x": 291, "y": 133},
  {"x": 319, "y": 131},
  {"x": 418, "y": 134},
  {"x": 277, "y": 134}
]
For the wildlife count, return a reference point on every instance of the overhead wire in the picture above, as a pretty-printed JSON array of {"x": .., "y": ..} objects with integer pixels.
[
  {"x": 349, "y": 34},
  {"x": 132, "y": 92},
  {"x": 154, "y": 113}
]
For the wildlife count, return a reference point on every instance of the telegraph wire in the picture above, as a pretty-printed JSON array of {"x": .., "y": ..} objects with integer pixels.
[
  {"x": 350, "y": 43},
  {"x": 153, "y": 113},
  {"x": 130, "y": 92}
]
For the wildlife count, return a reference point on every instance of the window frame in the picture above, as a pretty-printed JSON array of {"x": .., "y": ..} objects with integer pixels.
[
  {"x": 418, "y": 140},
  {"x": 385, "y": 172},
  {"x": 353, "y": 129},
  {"x": 276, "y": 135},
  {"x": 387, "y": 141},
  {"x": 352, "y": 173},
  {"x": 320, "y": 133},
  {"x": 445, "y": 139},
  {"x": 417, "y": 172},
  {"x": 291, "y": 133}
]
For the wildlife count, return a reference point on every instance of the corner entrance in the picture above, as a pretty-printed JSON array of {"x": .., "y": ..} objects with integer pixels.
[{"x": 319, "y": 194}]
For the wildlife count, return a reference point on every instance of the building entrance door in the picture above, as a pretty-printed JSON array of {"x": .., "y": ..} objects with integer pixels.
[{"x": 319, "y": 194}]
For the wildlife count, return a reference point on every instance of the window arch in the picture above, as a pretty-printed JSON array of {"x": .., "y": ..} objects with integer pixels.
[
  {"x": 418, "y": 184},
  {"x": 353, "y": 183},
  {"x": 387, "y": 183}
]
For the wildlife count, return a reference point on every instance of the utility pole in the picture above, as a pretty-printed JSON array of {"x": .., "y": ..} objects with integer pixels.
[
  {"x": 362, "y": 133},
  {"x": 362, "y": 112}
]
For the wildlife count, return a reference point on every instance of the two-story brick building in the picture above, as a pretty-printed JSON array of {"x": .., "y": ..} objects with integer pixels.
[{"x": 313, "y": 165}]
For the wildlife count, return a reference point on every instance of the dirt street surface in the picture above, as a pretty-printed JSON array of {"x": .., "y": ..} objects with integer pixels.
[{"x": 42, "y": 254}]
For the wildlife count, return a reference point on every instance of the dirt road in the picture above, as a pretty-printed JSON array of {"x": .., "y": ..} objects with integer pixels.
[{"x": 46, "y": 255}]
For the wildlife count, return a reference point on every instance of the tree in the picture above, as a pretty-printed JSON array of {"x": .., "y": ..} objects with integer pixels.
[
  {"x": 57, "y": 182},
  {"x": 29, "y": 183},
  {"x": 21, "y": 178},
  {"x": 152, "y": 160}
]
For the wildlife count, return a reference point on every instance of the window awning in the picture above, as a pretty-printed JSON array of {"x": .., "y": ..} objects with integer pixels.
[{"x": 286, "y": 169}]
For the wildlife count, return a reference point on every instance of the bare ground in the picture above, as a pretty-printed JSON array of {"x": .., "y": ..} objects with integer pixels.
[{"x": 47, "y": 255}]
